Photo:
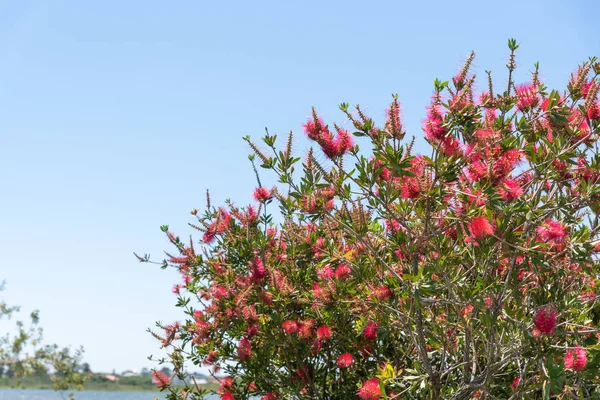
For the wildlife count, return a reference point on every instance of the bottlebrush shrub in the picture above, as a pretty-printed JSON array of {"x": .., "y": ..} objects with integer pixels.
[{"x": 469, "y": 272}]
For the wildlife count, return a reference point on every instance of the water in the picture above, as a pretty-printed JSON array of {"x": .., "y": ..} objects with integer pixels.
[{"x": 31, "y": 394}]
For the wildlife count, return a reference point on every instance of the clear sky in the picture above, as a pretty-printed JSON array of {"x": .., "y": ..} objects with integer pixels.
[{"x": 115, "y": 116}]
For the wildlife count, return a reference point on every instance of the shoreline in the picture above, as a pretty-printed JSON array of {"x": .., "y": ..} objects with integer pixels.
[{"x": 124, "y": 388}]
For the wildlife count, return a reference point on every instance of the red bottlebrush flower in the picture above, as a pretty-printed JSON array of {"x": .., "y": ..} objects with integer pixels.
[
  {"x": 545, "y": 321},
  {"x": 486, "y": 137},
  {"x": 198, "y": 315},
  {"x": 593, "y": 111},
  {"x": 258, "y": 269},
  {"x": 202, "y": 329},
  {"x": 527, "y": 96},
  {"x": 174, "y": 239},
  {"x": 179, "y": 260},
  {"x": 386, "y": 174},
  {"x": 227, "y": 396},
  {"x": 490, "y": 116},
  {"x": 515, "y": 383},
  {"x": 219, "y": 292},
  {"x": 217, "y": 227},
  {"x": 315, "y": 347},
  {"x": 160, "y": 379},
  {"x": 318, "y": 292},
  {"x": 250, "y": 216},
  {"x": 331, "y": 146},
  {"x": 225, "y": 385},
  {"x": 578, "y": 121},
  {"x": 507, "y": 162},
  {"x": 319, "y": 247},
  {"x": 410, "y": 188},
  {"x": 382, "y": 293},
  {"x": 432, "y": 126},
  {"x": 370, "y": 390},
  {"x": 451, "y": 147},
  {"x": 451, "y": 233},
  {"x": 252, "y": 329},
  {"x": 552, "y": 231},
  {"x": 323, "y": 333},
  {"x": 249, "y": 313},
  {"x": 325, "y": 273},
  {"x": 211, "y": 358},
  {"x": 576, "y": 359},
  {"x": 586, "y": 86},
  {"x": 366, "y": 351},
  {"x": 344, "y": 141},
  {"x": 305, "y": 330},
  {"x": 315, "y": 127},
  {"x": 262, "y": 194},
  {"x": 270, "y": 396},
  {"x": 177, "y": 288},
  {"x": 488, "y": 301},
  {"x": 392, "y": 225},
  {"x": 399, "y": 254},
  {"x": 330, "y": 205},
  {"x": 484, "y": 97},
  {"x": 371, "y": 330},
  {"x": 509, "y": 189},
  {"x": 244, "y": 349},
  {"x": 309, "y": 204},
  {"x": 475, "y": 198},
  {"x": 290, "y": 327},
  {"x": 267, "y": 298},
  {"x": 208, "y": 236},
  {"x": 476, "y": 169},
  {"x": 345, "y": 360},
  {"x": 342, "y": 271},
  {"x": 480, "y": 226},
  {"x": 467, "y": 310}
]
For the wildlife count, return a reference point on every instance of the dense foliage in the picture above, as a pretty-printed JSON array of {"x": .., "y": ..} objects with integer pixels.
[{"x": 378, "y": 273}]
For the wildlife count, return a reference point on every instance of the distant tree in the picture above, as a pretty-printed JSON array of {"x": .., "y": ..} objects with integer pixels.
[
  {"x": 166, "y": 371},
  {"x": 145, "y": 371},
  {"x": 85, "y": 368},
  {"x": 25, "y": 354}
]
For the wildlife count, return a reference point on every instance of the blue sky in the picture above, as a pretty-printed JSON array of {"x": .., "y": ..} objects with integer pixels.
[{"x": 115, "y": 117}]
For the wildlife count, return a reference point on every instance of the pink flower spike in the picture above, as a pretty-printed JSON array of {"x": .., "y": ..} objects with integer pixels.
[
  {"x": 545, "y": 320},
  {"x": 528, "y": 97},
  {"x": 323, "y": 333},
  {"x": 160, "y": 379},
  {"x": 244, "y": 349},
  {"x": 552, "y": 231},
  {"x": 371, "y": 330},
  {"x": 480, "y": 226},
  {"x": 370, "y": 390},
  {"x": 509, "y": 189},
  {"x": 262, "y": 194},
  {"x": 575, "y": 359},
  {"x": 345, "y": 360}
]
